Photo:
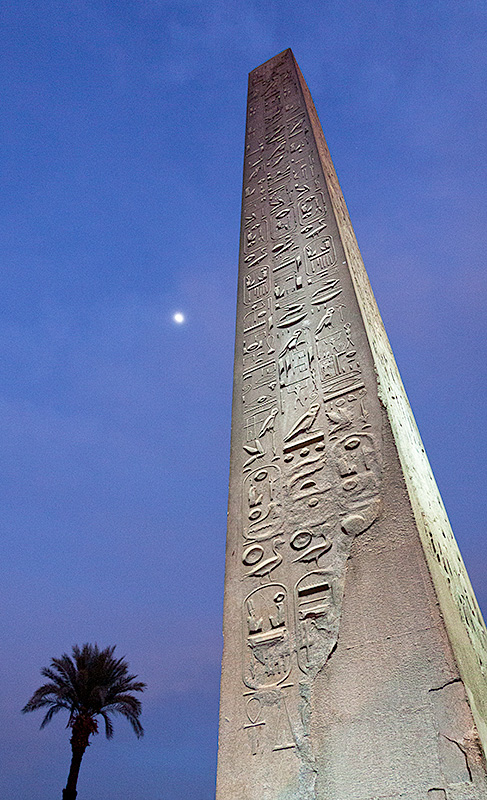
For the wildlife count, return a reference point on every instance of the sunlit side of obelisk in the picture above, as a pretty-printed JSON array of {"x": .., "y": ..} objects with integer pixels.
[{"x": 354, "y": 664}]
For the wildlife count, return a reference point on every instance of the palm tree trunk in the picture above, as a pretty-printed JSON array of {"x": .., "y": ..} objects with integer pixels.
[{"x": 69, "y": 793}]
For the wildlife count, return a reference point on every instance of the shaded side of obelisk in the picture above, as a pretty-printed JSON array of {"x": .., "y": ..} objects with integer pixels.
[{"x": 354, "y": 649}]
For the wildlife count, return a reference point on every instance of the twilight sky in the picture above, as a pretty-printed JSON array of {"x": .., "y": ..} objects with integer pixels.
[{"x": 122, "y": 132}]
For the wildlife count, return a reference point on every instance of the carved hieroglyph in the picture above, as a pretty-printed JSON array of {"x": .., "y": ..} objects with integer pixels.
[{"x": 323, "y": 487}]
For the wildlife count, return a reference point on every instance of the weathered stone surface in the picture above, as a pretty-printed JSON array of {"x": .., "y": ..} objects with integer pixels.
[{"x": 355, "y": 653}]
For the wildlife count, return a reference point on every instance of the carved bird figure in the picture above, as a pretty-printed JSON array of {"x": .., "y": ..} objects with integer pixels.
[
  {"x": 268, "y": 424},
  {"x": 291, "y": 344},
  {"x": 341, "y": 418},
  {"x": 325, "y": 320},
  {"x": 314, "y": 552},
  {"x": 265, "y": 567},
  {"x": 304, "y": 423}
]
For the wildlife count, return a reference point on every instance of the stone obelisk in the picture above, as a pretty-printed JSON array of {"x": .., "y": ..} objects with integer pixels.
[{"x": 355, "y": 654}]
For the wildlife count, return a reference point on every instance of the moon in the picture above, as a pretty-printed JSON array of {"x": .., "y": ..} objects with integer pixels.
[{"x": 178, "y": 317}]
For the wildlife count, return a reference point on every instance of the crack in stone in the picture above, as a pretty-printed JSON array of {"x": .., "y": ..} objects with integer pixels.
[
  {"x": 448, "y": 683},
  {"x": 465, "y": 755}
]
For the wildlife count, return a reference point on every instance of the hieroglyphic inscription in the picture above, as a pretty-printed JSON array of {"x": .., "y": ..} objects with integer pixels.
[
  {"x": 267, "y": 649},
  {"x": 310, "y": 478}
]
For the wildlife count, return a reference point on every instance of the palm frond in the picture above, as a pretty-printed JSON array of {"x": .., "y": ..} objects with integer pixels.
[
  {"x": 131, "y": 717},
  {"x": 53, "y": 710},
  {"x": 137, "y": 727},
  {"x": 128, "y": 702},
  {"x": 108, "y": 724}
]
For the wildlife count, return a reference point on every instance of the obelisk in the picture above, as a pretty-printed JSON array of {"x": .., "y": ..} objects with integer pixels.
[{"x": 355, "y": 654}]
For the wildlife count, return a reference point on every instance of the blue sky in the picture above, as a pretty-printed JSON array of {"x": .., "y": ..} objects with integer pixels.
[{"x": 121, "y": 147}]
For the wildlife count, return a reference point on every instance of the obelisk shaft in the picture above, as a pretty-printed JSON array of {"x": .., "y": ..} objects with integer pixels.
[{"x": 354, "y": 654}]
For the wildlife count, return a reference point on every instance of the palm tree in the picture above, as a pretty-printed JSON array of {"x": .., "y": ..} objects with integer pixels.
[{"x": 91, "y": 683}]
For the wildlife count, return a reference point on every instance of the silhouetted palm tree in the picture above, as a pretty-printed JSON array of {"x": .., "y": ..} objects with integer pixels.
[{"x": 92, "y": 683}]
